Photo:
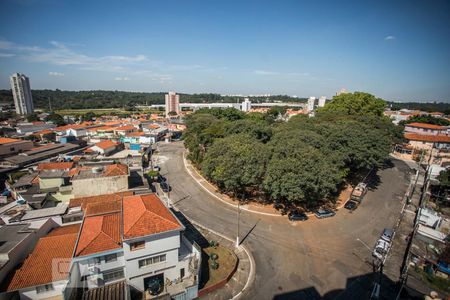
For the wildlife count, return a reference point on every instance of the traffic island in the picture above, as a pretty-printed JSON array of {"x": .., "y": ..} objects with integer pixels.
[{"x": 218, "y": 266}]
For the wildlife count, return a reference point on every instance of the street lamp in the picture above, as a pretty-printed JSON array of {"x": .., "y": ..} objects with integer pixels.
[{"x": 238, "y": 216}]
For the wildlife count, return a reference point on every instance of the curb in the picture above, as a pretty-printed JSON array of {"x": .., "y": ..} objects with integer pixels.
[{"x": 185, "y": 162}]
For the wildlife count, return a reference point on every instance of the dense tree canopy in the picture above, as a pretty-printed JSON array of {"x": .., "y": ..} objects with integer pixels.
[
  {"x": 56, "y": 119},
  {"x": 357, "y": 103},
  {"x": 428, "y": 119},
  {"x": 302, "y": 161}
]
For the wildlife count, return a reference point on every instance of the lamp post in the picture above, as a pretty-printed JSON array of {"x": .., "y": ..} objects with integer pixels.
[{"x": 238, "y": 216}]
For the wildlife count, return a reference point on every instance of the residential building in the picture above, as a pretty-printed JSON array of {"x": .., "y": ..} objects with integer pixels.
[
  {"x": 45, "y": 273},
  {"x": 124, "y": 130},
  {"x": 23, "y": 101},
  {"x": 428, "y": 142},
  {"x": 426, "y": 129},
  {"x": 104, "y": 147},
  {"x": 172, "y": 103},
  {"x": 322, "y": 101},
  {"x": 246, "y": 105},
  {"x": 10, "y": 146},
  {"x": 100, "y": 180},
  {"x": 66, "y": 166},
  {"x": 311, "y": 103}
]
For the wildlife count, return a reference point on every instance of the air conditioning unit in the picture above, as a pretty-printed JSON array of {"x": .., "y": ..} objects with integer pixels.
[{"x": 93, "y": 269}]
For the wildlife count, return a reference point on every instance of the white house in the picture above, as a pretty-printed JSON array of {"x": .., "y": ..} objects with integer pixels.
[{"x": 104, "y": 147}]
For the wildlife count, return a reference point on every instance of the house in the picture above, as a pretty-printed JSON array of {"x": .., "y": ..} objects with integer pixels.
[
  {"x": 425, "y": 129},
  {"x": 10, "y": 146},
  {"x": 82, "y": 202},
  {"x": 124, "y": 130},
  {"x": 17, "y": 241},
  {"x": 65, "y": 166},
  {"x": 104, "y": 147},
  {"x": 139, "y": 240},
  {"x": 100, "y": 180},
  {"x": 427, "y": 142},
  {"x": 45, "y": 273}
]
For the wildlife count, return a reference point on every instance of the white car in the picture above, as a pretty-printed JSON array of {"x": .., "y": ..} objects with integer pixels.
[{"x": 381, "y": 249}]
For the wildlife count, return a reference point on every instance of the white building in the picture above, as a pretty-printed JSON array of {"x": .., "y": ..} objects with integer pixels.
[
  {"x": 322, "y": 101},
  {"x": 23, "y": 101},
  {"x": 246, "y": 105},
  {"x": 172, "y": 103},
  {"x": 311, "y": 102}
]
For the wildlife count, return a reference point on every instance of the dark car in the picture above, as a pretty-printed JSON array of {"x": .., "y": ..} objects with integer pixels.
[
  {"x": 164, "y": 186},
  {"x": 297, "y": 216},
  {"x": 324, "y": 213},
  {"x": 351, "y": 205}
]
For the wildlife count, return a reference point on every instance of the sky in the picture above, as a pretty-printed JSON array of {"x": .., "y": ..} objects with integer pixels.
[{"x": 396, "y": 50}]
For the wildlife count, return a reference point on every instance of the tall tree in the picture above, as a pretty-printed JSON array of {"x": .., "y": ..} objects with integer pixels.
[{"x": 357, "y": 103}]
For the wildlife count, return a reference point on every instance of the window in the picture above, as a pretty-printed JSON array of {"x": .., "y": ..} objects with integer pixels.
[
  {"x": 152, "y": 260},
  {"x": 93, "y": 261},
  {"x": 113, "y": 275},
  {"x": 137, "y": 245},
  {"x": 11, "y": 149},
  {"x": 110, "y": 258},
  {"x": 182, "y": 273},
  {"x": 44, "y": 288}
]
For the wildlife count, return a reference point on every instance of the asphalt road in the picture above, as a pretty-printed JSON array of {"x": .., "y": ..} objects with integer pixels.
[{"x": 317, "y": 259}]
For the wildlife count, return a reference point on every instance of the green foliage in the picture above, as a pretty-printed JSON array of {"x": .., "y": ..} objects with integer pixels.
[
  {"x": 89, "y": 116},
  {"x": 56, "y": 119},
  {"x": 152, "y": 173},
  {"x": 32, "y": 117},
  {"x": 49, "y": 137},
  {"x": 172, "y": 113},
  {"x": 302, "y": 161},
  {"x": 424, "y": 106},
  {"x": 357, "y": 103},
  {"x": 429, "y": 120}
]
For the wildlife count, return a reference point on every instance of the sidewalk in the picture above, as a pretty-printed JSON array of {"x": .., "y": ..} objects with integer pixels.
[{"x": 245, "y": 272}]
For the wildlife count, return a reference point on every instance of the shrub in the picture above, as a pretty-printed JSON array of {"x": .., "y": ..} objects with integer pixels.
[
  {"x": 214, "y": 265},
  {"x": 214, "y": 256}
]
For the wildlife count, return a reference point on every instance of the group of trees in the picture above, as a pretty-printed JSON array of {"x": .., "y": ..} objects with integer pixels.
[
  {"x": 302, "y": 161},
  {"x": 427, "y": 119}
]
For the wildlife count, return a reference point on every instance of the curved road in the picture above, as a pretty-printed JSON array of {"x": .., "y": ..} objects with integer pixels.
[{"x": 316, "y": 259}]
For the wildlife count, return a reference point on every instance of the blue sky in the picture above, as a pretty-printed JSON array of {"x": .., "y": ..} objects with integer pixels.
[{"x": 397, "y": 50}]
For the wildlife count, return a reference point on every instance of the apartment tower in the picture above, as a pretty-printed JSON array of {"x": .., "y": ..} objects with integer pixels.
[
  {"x": 23, "y": 101},
  {"x": 172, "y": 103}
]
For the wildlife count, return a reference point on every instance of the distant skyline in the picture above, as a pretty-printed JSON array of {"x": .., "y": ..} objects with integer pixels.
[{"x": 396, "y": 50}]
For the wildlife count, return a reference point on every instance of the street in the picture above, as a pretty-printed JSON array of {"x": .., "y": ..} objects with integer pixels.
[{"x": 317, "y": 259}]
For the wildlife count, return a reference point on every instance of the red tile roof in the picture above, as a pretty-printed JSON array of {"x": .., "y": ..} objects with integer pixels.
[
  {"x": 55, "y": 166},
  {"x": 4, "y": 140},
  {"x": 105, "y": 144},
  {"x": 427, "y": 138},
  {"x": 99, "y": 233},
  {"x": 427, "y": 126},
  {"x": 38, "y": 267},
  {"x": 100, "y": 208},
  {"x": 84, "y": 201},
  {"x": 136, "y": 133},
  {"x": 115, "y": 170},
  {"x": 146, "y": 215}
]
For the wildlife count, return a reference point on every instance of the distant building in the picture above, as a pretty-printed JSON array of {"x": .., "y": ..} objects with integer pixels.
[
  {"x": 311, "y": 102},
  {"x": 322, "y": 101},
  {"x": 10, "y": 146},
  {"x": 172, "y": 103},
  {"x": 341, "y": 91},
  {"x": 23, "y": 101},
  {"x": 246, "y": 105}
]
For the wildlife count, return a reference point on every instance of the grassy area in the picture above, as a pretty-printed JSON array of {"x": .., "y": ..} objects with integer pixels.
[
  {"x": 435, "y": 282},
  {"x": 227, "y": 261}
]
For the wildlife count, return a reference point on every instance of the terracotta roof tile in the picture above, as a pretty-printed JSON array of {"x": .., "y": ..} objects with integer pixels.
[
  {"x": 99, "y": 233},
  {"x": 38, "y": 267},
  {"x": 105, "y": 144},
  {"x": 125, "y": 128},
  {"x": 109, "y": 206},
  {"x": 55, "y": 166},
  {"x": 4, "y": 140},
  {"x": 428, "y": 126},
  {"x": 84, "y": 201},
  {"x": 115, "y": 170},
  {"x": 146, "y": 215},
  {"x": 427, "y": 138},
  {"x": 136, "y": 133}
]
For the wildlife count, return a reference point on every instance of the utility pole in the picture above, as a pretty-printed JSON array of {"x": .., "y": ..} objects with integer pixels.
[{"x": 238, "y": 217}]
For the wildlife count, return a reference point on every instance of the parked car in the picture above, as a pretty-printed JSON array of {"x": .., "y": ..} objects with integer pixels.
[
  {"x": 164, "y": 186},
  {"x": 297, "y": 216},
  {"x": 381, "y": 249},
  {"x": 359, "y": 192},
  {"x": 324, "y": 213},
  {"x": 351, "y": 205},
  {"x": 387, "y": 235}
]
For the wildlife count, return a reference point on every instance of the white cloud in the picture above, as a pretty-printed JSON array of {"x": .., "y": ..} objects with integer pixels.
[
  {"x": 55, "y": 74},
  {"x": 122, "y": 78},
  {"x": 390, "y": 38},
  {"x": 6, "y": 55},
  {"x": 265, "y": 72}
]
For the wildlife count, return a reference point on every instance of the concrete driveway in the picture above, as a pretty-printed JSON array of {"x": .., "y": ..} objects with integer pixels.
[{"x": 316, "y": 259}]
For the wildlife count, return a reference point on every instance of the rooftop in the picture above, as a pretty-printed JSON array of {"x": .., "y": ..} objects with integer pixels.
[
  {"x": 125, "y": 128},
  {"x": 107, "y": 171},
  {"x": 105, "y": 144},
  {"x": 38, "y": 268},
  {"x": 113, "y": 291},
  {"x": 4, "y": 140},
  {"x": 84, "y": 201},
  {"x": 60, "y": 209},
  {"x": 55, "y": 173},
  {"x": 55, "y": 166},
  {"x": 146, "y": 215},
  {"x": 427, "y": 138},
  {"x": 427, "y": 126}
]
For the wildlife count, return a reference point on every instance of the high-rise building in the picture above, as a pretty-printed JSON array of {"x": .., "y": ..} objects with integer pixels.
[
  {"x": 322, "y": 101},
  {"x": 311, "y": 102},
  {"x": 23, "y": 101},
  {"x": 341, "y": 91},
  {"x": 172, "y": 103},
  {"x": 246, "y": 105}
]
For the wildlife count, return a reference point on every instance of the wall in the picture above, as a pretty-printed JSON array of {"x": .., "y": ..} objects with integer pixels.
[
  {"x": 99, "y": 186},
  {"x": 20, "y": 146},
  {"x": 424, "y": 131},
  {"x": 167, "y": 243},
  {"x": 30, "y": 293},
  {"x": 48, "y": 183}
]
